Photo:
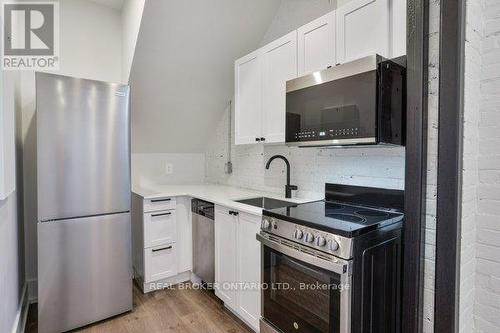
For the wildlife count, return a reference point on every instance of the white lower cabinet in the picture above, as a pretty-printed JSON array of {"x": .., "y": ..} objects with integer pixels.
[
  {"x": 161, "y": 241},
  {"x": 160, "y": 262},
  {"x": 248, "y": 267},
  {"x": 237, "y": 263},
  {"x": 184, "y": 227},
  {"x": 225, "y": 256}
]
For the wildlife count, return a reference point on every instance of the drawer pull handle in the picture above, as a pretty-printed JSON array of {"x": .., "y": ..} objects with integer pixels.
[
  {"x": 231, "y": 212},
  {"x": 160, "y": 200},
  {"x": 162, "y": 249},
  {"x": 162, "y": 214}
]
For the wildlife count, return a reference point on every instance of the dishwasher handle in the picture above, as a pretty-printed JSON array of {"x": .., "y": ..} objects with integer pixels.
[{"x": 203, "y": 208}]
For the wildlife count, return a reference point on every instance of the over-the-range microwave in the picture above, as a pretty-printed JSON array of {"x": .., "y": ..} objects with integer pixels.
[{"x": 362, "y": 102}]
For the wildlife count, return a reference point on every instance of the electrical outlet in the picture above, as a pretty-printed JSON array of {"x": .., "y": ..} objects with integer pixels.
[{"x": 169, "y": 168}]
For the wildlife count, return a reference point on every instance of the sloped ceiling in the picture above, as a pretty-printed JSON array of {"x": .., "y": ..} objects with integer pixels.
[
  {"x": 182, "y": 72},
  {"x": 116, "y": 4}
]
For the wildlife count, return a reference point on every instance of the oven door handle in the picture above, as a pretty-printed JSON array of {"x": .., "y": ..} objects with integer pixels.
[{"x": 340, "y": 267}]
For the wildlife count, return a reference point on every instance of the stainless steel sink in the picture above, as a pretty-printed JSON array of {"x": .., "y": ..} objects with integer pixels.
[{"x": 266, "y": 203}]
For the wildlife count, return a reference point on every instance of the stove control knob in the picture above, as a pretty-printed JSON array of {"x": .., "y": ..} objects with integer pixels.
[
  {"x": 320, "y": 241},
  {"x": 333, "y": 245},
  {"x": 309, "y": 237},
  {"x": 298, "y": 234},
  {"x": 266, "y": 224}
]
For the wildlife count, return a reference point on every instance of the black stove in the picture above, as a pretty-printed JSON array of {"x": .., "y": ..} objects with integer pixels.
[
  {"x": 335, "y": 217},
  {"x": 332, "y": 224},
  {"x": 352, "y": 238}
]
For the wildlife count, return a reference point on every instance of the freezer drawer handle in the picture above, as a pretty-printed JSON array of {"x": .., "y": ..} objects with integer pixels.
[
  {"x": 162, "y": 249},
  {"x": 160, "y": 200},
  {"x": 162, "y": 214}
]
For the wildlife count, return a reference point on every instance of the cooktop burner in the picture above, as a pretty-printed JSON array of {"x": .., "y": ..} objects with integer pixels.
[
  {"x": 372, "y": 213},
  {"x": 336, "y": 217},
  {"x": 346, "y": 217}
]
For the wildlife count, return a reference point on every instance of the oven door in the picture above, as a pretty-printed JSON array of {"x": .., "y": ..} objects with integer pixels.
[{"x": 302, "y": 292}]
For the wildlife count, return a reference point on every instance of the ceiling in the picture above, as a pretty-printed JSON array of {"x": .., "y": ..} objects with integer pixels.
[
  {"x": 116, "y": 4},
  {"x": 182, "y": 74}
]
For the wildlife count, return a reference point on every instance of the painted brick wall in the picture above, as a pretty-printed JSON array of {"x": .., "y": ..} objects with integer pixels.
[
  {"x": 487, "y": 287},
  {"x": 472, "y": 101},
  {"x": 432, "y": 146}
]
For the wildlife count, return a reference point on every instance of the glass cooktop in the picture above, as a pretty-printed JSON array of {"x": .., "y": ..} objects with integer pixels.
[{"x": 335, "y": 217}]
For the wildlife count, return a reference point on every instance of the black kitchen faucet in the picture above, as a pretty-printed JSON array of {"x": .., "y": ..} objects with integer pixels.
[{"x": 288, "y": 187}]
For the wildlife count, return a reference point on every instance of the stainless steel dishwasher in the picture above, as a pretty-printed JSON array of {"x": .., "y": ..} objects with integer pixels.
[{"x": 203, "y": 240}]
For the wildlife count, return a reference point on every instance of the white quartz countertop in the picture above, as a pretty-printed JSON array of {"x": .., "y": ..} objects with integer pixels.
[{"x": 218, "y": 194}]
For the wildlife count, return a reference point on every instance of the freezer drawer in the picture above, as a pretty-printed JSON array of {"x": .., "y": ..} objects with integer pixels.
[
  {"x": 84, "y": 271},
  {"x": 159, "y": 228}
]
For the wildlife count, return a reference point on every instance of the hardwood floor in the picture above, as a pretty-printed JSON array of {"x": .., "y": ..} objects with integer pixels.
[{"x": 170, "y": 310}]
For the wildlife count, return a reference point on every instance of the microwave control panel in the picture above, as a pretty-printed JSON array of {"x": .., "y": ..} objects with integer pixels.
[{"x": 338, "y": 133}]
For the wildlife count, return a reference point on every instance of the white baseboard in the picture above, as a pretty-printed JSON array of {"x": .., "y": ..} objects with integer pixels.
[
  {"x": 22, "y": 312},
  {"x": 32, "y": 290}
]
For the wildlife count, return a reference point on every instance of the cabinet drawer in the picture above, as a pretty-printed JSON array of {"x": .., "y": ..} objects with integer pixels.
[
  {"x": 159, "y": 228},
  {"x": 152, "y": 205},
  {"x": 160, "y": 262}
]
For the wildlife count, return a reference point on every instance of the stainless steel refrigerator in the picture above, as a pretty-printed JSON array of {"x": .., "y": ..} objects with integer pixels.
[{"x": 83, "y": 184}]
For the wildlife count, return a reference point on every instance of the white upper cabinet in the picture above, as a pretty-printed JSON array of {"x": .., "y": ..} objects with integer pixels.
[
  {"x": 279, "y": 64},
  {"x": 316, "y": 45},
  {"x": 363, "y": 28},
  {"x": 248, "y": 101}
]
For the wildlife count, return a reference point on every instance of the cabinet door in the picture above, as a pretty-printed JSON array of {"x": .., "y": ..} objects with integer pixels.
[
  {"x": 225, "y": 256},
  {"x": 249, "y": 268},
  {"x": 316, "y": 45},
  {"x": 279, "y": 64},
  {"x": 363, "y": 28},
  {"x": 184, "y": 235},
  {"x": 248, "y": 99}
]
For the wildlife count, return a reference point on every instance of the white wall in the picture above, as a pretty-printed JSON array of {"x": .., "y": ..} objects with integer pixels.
[
  {"x": 149, "y": 170},
  {"x": 12, "y": 277},
  {"x": 11, "y": 270},
  {"x": 90, "y": 48},
  {"x": 131, "y": 22}
]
